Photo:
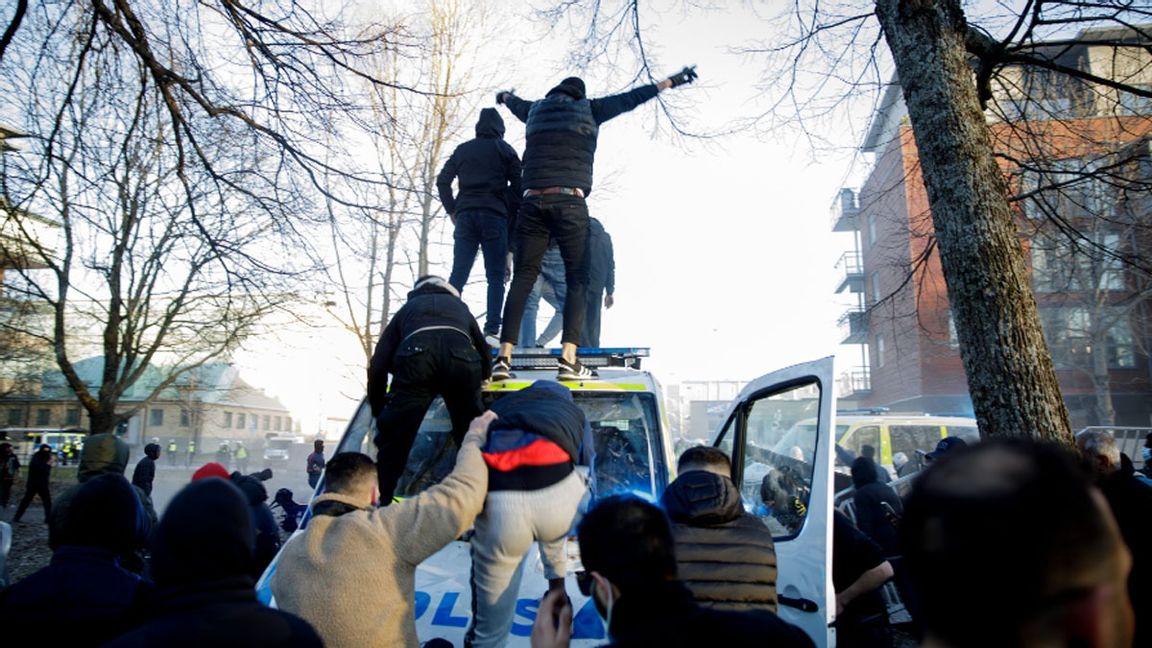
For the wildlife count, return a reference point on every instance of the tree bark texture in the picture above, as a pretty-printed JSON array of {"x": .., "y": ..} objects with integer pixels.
[{"x": 1010, "y": 374}]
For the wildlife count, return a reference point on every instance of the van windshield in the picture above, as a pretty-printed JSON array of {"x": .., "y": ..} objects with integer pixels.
[{"x": 624, "y": 425}]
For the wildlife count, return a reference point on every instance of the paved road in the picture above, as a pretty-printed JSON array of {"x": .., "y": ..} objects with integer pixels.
[{"x": 170, "y": 479}]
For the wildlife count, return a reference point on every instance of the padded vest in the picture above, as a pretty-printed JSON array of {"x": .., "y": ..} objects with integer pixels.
[{"x": 560, "y": 144}]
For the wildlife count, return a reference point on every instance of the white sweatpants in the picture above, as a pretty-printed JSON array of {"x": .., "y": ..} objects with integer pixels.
[{"x": 505, "y": 530}]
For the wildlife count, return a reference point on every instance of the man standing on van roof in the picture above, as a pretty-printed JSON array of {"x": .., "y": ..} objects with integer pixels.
[
  {"x": 561, "y": 131},
  {"x": 488, "y": 171}
]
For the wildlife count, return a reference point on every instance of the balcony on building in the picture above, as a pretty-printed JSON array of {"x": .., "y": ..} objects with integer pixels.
[
  {"x": 854, "y": 326},
  {"x": 857, "y": 381},
  {"x": 844, "y": 211},
  {"x": 850, "y": 273}
]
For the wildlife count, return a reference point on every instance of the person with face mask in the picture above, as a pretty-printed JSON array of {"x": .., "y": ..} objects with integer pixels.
[{"x": 628, "y": 553}]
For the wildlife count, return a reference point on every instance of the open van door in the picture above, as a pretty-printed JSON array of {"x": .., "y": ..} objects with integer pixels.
[{"x": 782, "y": 464}]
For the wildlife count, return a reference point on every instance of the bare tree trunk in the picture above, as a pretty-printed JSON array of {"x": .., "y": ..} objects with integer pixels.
[
  {"x": 1010, "y": 374},
  {"x": 1101, "y": 380}
]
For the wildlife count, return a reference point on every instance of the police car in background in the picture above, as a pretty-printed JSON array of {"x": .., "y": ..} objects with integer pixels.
[{"x": 633, "y": 455}]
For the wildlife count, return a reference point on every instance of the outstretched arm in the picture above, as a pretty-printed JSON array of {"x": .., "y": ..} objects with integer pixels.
[
  {"x": 428, "y": 522},
  {"x": 514, "y": 104}
]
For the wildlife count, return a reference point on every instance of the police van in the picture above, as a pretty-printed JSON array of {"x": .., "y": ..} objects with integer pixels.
[{"x": 633, "y": 455}]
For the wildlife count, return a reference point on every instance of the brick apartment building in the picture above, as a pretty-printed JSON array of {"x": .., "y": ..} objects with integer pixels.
[{"x": 1077, "y": 157}]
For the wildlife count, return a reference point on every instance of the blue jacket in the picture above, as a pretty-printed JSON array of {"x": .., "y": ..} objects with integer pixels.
[{"x": 544, "y": 410}]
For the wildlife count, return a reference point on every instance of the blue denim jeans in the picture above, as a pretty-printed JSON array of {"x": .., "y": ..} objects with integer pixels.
[
  {"x": 487, "y": 230},
  {"x": 551, "y": 286}
]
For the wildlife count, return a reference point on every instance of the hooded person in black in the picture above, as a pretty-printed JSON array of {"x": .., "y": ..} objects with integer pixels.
[
  {"x": 83, "y": 597},
  {"x": 561, "y": 132},
  {"x": 39, "y": 478},
  {"x": 432, "y": 346},
  {"x": 145, "y": 472},
  {"x": 202, "y": 562},
  {"x": 103, "y": 454},
  {"x": 488, "y": 171},
  {"x": 267, "y": 533}
]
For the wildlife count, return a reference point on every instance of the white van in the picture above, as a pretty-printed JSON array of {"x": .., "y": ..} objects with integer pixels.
[{"x": 633, "y": 455}]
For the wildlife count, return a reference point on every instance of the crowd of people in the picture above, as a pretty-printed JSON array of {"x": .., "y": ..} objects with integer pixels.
[{"x": 1003, "y": 542}]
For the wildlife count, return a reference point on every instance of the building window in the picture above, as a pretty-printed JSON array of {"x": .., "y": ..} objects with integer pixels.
[
  {"x": 185, "y": 417},
  {"x": 872, "y": 229},
  {"x": 1076, "y": 333},
  {"x": 1092, "y": 265},
  {"x": 876, "y": 287},
  {"x": 267, "y": 422},
  {"x": 288, "y": 423},
  {"x": 276, "y": 424},
  {"x": 16, "y": 417},
  {"x": 880, "y": 351},
  {"x": 156, "y": 416},
  {"x": 227, "y": 419},
  {"x": 43, "y": 416},
  {"x": 72, "y": 416},
  {"x": 240, "y": 420}
]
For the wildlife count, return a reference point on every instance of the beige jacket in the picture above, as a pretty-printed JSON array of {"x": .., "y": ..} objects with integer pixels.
[{"x": 353, "y": 576}]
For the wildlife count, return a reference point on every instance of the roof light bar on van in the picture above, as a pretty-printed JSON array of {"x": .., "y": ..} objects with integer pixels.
[{"x": 628, "y": 357}]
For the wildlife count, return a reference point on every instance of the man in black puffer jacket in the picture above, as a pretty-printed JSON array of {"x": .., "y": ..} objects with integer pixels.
[
  {"x": 561, "y": 131},
  {"x": 488, "y": 171},
  {"x": 725, "y": 555},
  {"x": 432, "y": 346}
]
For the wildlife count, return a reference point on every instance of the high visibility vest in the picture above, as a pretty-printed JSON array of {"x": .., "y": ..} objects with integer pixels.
[{"x": 172, "y": 447}]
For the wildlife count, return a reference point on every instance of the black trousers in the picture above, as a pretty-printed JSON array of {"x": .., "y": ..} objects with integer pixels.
[
  {"x": 427, "y": 364},
  {"x": 565, "y": 219},
  {"x": 45, "y": 498}
]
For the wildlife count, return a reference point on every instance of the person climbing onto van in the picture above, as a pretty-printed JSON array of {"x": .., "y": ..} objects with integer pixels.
[
  {"x": 561, "y": 131},
  {"x": 488, "y": 171},
  {"x": 534, "y": 491},
  {"x": 432, "y": 346}
]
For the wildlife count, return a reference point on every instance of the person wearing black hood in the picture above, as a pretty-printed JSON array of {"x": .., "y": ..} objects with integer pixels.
[
  {"x": 878, "y": 508},
  {"x": 202, "y": 555},
  {"x": 145, "y": 472},
  {"x": 488, "y": 171},
  {"x": 84, "y": 585},
  {"x": 267, "y": 533},
  {"x": 103, "y": 454},
  {"x": 561, "y": 131},
  {"x": 432, "y": 346},
  {"x": 725, "y": 555},
  {"x": 39, "y": 478}
]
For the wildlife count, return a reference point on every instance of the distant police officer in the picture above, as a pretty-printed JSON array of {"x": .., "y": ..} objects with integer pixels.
[{"x": 172, "y": 452}]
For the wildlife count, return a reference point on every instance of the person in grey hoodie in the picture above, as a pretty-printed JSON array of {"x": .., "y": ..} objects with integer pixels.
[{"x": 488, "y": 173}]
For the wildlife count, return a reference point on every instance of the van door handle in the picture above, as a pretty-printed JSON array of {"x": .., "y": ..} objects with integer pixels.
[{"x": 802, "y": 604}]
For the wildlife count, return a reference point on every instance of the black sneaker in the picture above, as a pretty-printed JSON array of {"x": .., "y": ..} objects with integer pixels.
[
  {"x": 501, "y": 369},
  {"x": 574, "y": 371}
]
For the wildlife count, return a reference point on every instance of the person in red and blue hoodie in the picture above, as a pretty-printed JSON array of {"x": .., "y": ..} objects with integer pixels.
[{"x": 534, "y": 492}]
